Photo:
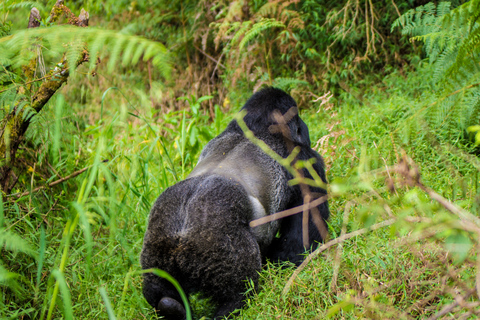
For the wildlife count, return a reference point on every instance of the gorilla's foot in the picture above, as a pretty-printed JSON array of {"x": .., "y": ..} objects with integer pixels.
[{"x": 171, "y": 309}]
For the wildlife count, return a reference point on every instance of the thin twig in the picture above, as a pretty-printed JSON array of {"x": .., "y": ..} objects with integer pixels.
[
  {"x": 330, "y": 244},
  {"x": 306, "y": 210},
  {"x": 339, "y": 251},
  {"x": 447, "y": 309},
  {"x": 210, "y": 57},
  {"x": 53, "y": 169},
  {"x": 461, "y": 213},
  {"x": 398, "y": 12},
  {"x": 29, "y": 82},
  {"x": 26, "y": 215},
  {"x": 477, "y": 278},
  {"x": 54, "y": 183},
  {"x": 50, "y": 210},
  {"x": 286, "y": 213},
  {"x": 216, "y": 66}
]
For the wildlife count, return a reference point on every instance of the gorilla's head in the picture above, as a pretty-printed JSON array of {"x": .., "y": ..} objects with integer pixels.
[{"x": 261, "y": 107}]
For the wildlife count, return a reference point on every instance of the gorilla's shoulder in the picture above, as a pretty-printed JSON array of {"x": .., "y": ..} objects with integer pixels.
[{"x": 223, "y": 143}]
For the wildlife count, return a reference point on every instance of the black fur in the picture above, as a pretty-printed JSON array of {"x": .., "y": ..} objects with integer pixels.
[{"x": 198, "y": 229}]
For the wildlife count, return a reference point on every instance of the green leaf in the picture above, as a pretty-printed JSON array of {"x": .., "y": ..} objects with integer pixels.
[
  {"x": 66, "y": 297},
  {"x": 473, "y": 128},
  {"x": 168, "y": 277},
  {"x": 13, "y": 242},
  {"x": 193, "y": 136},
  {"x": 459, "y": 244},
  {"x": 108, "y": 305},
  {"x": 342, "y": 305},
  {"x": 122, "y": 48}
]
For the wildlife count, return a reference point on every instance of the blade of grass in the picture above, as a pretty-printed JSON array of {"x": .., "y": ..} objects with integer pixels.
[
  {"x": 168, "y": 277},
  {"x": 41, "y": 257},
  {"x": 108, "y": 305},
  {"x": 67, "y": 300}
]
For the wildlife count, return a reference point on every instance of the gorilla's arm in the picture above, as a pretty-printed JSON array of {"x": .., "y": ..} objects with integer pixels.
[{"x": 289, "y": 246}]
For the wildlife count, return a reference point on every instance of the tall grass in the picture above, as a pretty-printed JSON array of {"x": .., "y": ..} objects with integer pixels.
[
  {"x": 81, "y": 239},
  {"x": 71, "y": 251},
  {"x": 71, "y": 231}
]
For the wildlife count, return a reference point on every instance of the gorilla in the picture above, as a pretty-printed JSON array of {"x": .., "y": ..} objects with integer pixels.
[{"x": 198, "y": 229}]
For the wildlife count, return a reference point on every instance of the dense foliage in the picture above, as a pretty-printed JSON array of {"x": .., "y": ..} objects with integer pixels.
[
  {"x": 451, "y": 40},
  {"x": 97, "y": 120}
]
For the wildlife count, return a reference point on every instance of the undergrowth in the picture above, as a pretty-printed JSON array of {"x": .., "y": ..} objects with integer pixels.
[{"x": 397, "y": 153}]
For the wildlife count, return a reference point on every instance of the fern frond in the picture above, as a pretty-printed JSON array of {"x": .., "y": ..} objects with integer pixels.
[
  {"x": 443, "y": 8},
  {"x": 8, "y": 279},
  {"x": 25, "y": 4},
  {"x": 234, "y": 13},
  {"x": 452, "y": 43},
  {"x": 245, "y": 26},
  {"x": 258, "y": 28},
  {"x": 97, "y": 41},
  {"x": 235, "y": 25},
  {"x": 422, "y": 20},
  {"x": 288, "y": 83},
  {"x": 296, "y": 23},
  {"x": 267, "y": 9},
  {"x": 13, "y": 242},
  {"x": 466, "y": 51}
]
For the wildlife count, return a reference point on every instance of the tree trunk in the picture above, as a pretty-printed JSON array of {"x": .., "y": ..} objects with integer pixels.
[{"x": 14, "y": 125}]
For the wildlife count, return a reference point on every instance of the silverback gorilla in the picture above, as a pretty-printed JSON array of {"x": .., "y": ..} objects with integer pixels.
[{"x": 198, "y": 229}]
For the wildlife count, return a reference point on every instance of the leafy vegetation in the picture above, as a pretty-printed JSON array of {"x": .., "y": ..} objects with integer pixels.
[
  {"x": 148, "y": 83},
  {"x": 451, "y": 43}
]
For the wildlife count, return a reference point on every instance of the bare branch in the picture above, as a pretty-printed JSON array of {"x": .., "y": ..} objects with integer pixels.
[
  {"x": 286, "y": 213},
  {"x": 447, "y": 309},
  {"x": 54, "y": 183}
]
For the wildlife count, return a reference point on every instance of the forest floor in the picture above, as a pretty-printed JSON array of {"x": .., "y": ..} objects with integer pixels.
[{"x": 72, "y": 250}]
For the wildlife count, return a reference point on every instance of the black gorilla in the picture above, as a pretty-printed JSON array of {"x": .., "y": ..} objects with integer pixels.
[{"x": 198, "y": 229}]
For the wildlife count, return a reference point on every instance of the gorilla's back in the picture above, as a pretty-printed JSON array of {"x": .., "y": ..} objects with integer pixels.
[
  {"x": 225, "y": 191},
  {"x": 183, "y": 227},
  {"x": 235, "y": 158},
  {"x": 198, "y": 229}
]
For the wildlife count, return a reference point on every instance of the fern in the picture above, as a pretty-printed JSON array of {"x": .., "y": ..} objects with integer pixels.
[
  {"x": 72, "y": 43},
  {"x": 268, "y": 8},
  {"x": 426, "y": 20},
  {"x": 15, "y": 4},
  {"x": 233, "y": 13},
  {"x": 241, "y": 31},
  {"x": 288, "y": 83},
  {"x": 127, "y": 48},
  {"x": 258, "y": 28},
  {"x": 452, "y": 43},
  {"x": 12, "y": 242},
  {"x": 446, "y": 33}
]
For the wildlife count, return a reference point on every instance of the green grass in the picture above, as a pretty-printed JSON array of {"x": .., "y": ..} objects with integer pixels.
[
  {"x": 380, "y": 274},
  {"x": 72, "y": 250}
]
